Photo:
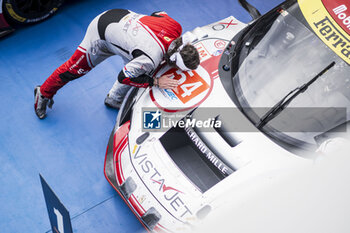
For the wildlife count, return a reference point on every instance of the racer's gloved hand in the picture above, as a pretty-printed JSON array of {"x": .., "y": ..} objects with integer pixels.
[{"x": 165, "y": 82}]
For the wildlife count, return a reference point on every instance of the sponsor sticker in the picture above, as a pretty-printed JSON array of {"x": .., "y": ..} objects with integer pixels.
[
  {"x": 223, "y": 25},
  {"x": 170, "y": 94},
  {"x": 330, "y": 20},
  {"x": 220, "y": 44},
  {"x": 229, "y": 23},
  {"x": 203, "y": 52},
  {"x": 217, "y": 52}
]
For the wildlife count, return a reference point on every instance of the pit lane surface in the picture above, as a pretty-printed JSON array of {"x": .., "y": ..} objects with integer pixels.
[{"x": 68, "y": 147}]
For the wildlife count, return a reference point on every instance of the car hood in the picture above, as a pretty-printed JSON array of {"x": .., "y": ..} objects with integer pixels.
[{"x": 255, "y": 154}]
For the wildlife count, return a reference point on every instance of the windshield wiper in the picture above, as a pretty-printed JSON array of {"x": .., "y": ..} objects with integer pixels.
[{"x": 281, "y": 105}]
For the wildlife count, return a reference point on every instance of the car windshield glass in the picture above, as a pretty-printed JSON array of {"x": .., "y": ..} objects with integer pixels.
[
  {"x": 276, "y": 58},
  {"x": 201, "y": 166}
]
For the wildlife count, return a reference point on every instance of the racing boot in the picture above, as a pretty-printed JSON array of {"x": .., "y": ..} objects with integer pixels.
[
  {"x": 112, "y": 103},
  {"x": 40, "y": 103}
]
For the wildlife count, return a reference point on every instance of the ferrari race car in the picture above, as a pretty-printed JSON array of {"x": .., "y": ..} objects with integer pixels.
[
  {"x": 20, "y": 12},
  {"x": 269, "y": 96}
]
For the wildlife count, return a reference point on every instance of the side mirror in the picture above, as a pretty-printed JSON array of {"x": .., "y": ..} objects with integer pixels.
[{"x": 254, "y": 13}]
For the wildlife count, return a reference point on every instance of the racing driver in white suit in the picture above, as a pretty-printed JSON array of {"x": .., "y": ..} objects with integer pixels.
[{"x": 142, "y": 41}]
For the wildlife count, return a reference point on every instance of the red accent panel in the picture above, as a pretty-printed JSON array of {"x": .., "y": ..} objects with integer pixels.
[
  {"x": 165, "y": 28},
  {"x": 120, "y": 142},
  {"x": 3, "y": 23},
  {"x": 119, "y": 135},
  {"x": 128, "y": 81},
  {"x": 116, "y": 159}
]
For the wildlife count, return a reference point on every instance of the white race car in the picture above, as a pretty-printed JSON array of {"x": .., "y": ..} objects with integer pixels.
[
  {"x": 267, "y": 97},
  {"x": 16, "y": 12}
]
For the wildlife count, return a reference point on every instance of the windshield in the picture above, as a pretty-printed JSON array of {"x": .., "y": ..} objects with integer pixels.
[{"x": 279, "y": 54}]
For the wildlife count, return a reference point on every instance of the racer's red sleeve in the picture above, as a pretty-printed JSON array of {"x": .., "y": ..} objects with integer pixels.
[
  {"x": 140, "y": 81},
  {"x": 135, "y": 72}
]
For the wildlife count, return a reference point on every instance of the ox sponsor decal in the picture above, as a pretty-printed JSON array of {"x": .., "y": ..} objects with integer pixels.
[{"x": 223, "y": 25}]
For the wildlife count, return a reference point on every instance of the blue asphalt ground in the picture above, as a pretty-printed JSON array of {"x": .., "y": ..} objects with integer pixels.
[{"x": 68, "y": 147}]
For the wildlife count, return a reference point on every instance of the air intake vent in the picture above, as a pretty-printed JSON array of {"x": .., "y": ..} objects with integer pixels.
[
  {"x": 151, "y": 217},
  {"x": 128, "y": 187},
  {"x": 226, "y": 135}
]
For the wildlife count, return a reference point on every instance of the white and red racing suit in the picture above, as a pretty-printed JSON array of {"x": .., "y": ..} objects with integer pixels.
[{"x": 140, "y": 40}]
